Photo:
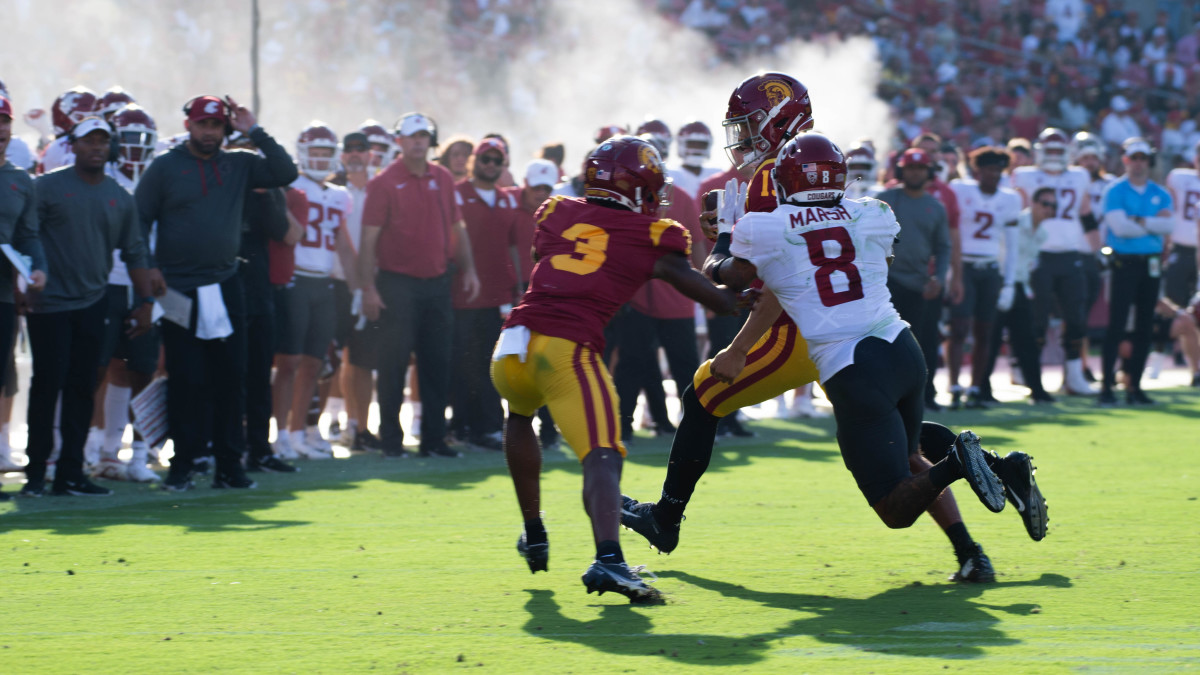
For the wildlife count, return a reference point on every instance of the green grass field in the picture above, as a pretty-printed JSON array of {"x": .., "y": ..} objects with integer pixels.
[{"x": 409, "y": 566}]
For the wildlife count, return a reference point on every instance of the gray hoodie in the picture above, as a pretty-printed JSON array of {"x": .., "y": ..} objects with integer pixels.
[{"x": 198, "y": 206}]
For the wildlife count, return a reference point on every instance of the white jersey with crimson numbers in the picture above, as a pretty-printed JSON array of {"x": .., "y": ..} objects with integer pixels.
[
  {"x": 829, "y": 269},
  {"x": 1184, "y": 185},
  {"x": 328, "y": 207},
  {"x": 982, "y": 218},
  {"x": 1071, "y": 188}
]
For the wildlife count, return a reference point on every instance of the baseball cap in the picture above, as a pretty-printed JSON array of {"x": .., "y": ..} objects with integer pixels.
[
  {"x": 414, "y": 123},
  {"x": 1119, "y": 103},
  {"x": 206, "y": 107},
  {"x": 914, "y": 157},
  {"x": 1135, "y": 145},
  {"x": 491, "y": 144},
  {"x": 355, "y": 137},
  {"x": 6, "y": 108},
  {"x": 541, "y": 172},
  {"x": 89, "y": 124}
]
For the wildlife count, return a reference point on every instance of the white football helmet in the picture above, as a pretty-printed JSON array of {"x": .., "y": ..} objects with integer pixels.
[
  {"x": 316, "y": 135},
  {"x": 1050, "y": 150}
]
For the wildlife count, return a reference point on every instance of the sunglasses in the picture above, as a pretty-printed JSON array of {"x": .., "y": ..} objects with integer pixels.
[
  {"x": 1049, "y": 205},
  {"x": 490, "y": 159}
]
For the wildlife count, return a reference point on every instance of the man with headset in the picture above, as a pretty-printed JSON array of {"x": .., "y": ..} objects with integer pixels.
[
  {"x": 413, "y": 233},
  {"x": 84, "y": 215},
  {"x": 196, "y": 193},
  {"x": 1137, "y": 214}
]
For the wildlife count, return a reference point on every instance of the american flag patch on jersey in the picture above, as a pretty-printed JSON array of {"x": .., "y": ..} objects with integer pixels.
[{"x": 808, "y": 167}]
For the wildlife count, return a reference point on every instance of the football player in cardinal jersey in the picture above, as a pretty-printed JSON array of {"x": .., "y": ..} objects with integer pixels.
[
  {"x": 68, "y": 109},
  {"x": 1059, "y": 279},
  {"x": 694, "y": 147},
  {"x": 861, "y": 171},
  {"x": 591, "y": 255},
  {"x": 826, "y": 260},
  {"x": 307, "y": 303},
  {"x": 988, "y": 225}
]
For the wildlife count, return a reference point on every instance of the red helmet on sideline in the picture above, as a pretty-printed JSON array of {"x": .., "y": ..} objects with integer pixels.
[{"x": 70, "y": 107}]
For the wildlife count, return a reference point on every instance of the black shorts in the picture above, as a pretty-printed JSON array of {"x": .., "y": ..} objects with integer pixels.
[
  {"x": 140, "y": 354},
  {"x": 344, "y": 321},
  {"x": 307, "y": 316},
  {"x": 878, "y": 402},
  {"x": 981, "y": 292},
  {"x": 1179, "y": 277}
]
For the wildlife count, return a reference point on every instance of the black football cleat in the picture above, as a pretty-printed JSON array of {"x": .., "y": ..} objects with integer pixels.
[
  {"x": 1016, "y": 471},
  {"x": 639, "y": 517},
  {"x": 975, "y": 568},
  {"x": 620, "y": 578},
  {"x": 537, "y": 555},
  {"x": 967, "y": 452}
]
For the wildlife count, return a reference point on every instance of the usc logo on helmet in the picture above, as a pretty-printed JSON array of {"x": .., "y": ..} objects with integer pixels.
[
  {"x": 649, "y": 159},
  {"x": 777, "y": 91}
]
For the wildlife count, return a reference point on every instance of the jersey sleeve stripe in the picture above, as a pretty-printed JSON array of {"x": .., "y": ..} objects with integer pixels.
[{"x": 549, "y": 207}]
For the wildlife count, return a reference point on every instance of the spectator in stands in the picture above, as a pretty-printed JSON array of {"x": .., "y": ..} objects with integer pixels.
[{"x": 1119, "y": 125}]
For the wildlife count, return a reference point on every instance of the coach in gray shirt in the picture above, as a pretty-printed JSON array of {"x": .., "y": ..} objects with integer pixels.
[
  {"x": 84, "y": 215},
  {"x": 924, "y": 236}
]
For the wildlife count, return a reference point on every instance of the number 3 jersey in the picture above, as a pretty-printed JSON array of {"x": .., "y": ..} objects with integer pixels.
[
  {"x": 828, "y": 267},
  {"x": 328, "y": 207},
  {"x": 591, "y": 260}
]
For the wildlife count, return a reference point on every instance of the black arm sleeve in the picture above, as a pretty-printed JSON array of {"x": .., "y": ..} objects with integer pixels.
[
  {"x": 276, "y": 169},
  {"x": 1090, "y": 224}
]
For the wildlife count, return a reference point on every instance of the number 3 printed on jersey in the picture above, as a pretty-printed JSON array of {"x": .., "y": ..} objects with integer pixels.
[
  {"x": 317, "y": 214},
  {"x": 826, "y": 266},
  {"x": 591, "y": 244}
]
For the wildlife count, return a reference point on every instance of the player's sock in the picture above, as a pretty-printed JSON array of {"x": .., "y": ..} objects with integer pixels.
[
  {"x": 535, "y": 531},
  {"x": 960, "y": 539},
  {"x": 116, "y": 417},
  {"x": 690, "y": 453},
  {"x": 609, "y": 552},
  {"x": 944, "y": 473}
]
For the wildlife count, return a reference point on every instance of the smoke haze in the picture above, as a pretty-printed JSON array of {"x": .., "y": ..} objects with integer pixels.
[{"x": 583, "y": 65}]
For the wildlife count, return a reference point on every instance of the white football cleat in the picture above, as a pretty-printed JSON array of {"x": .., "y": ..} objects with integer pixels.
[
  {"x": 282, "y": 447},
  {"x": 138, "y": 472},
  {"x": 111, "y": 468},
  {"x": 314, "y": 439},
  {"x": 301, "y": 447}
]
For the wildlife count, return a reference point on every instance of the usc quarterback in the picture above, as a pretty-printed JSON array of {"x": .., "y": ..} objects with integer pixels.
[{"x": 591, "y": 255}]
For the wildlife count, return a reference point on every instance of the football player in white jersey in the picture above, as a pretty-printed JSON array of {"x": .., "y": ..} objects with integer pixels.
[
  {"x": 1179, "y": 277},
  {"x": 826, "y": 259},
  {"x": 307, "y": 303},
  {"x": 1089, "y": 152},
  {"x": 694, "y": 147},
  {"x": 127, "y": 364},
  {"x": 1059, "y": 280},
  {"x": 862, "y": 170},
  {"x": 987, "y": 221}
]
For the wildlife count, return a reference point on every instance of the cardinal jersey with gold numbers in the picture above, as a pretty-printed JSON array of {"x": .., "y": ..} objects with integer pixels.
[
  {"x": 1064, "y": 232},
  {"x": 591, "y": 260},
  {"x": 828, "y": 267},
  {"x": 328, "y": 208},
  {"x": 982, "y": 218}
]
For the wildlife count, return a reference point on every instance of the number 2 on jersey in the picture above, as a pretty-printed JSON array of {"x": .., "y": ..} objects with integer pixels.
[
  {"x": 826, "y": 266},
  {"x": 986, "y": 220},
  {"x": 591, "y": 242}
]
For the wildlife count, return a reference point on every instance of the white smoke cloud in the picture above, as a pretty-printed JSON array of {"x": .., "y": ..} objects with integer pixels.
[{"x": 342, "y": 62}]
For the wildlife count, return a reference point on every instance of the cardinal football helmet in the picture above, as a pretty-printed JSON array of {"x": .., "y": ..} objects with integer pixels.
[
  {"x": 384, "y": 148},
  {"x": 659, "y": 134},
  {"x": 764, "y": 112},
  {"x": 1050, "y": 150},
  {"x": 694, "y": 143},
  {"x": 113, "y": 100},
  {"x": 629, "y": 171},
  {"x": 1087, "y": 144},
  {"x": 137, "y": 136},
  {"x": 860, "y": 162},
  {"x": 316, "y": 135},
  {"x": 70, "y": 107},
  {"x": 608, "y": 131},
  {"x": 809, "y": 169}
]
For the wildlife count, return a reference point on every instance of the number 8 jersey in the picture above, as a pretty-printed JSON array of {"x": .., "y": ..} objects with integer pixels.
[
  {"x": 829, "y": 269},
  {"x": 590, "y": 260}
]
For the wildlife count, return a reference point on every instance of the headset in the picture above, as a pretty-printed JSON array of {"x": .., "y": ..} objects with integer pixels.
[
  {"x": 187, "y": 111},
  {"x": 114, "y": 143},
  {"x": 433, "y": 137}
]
